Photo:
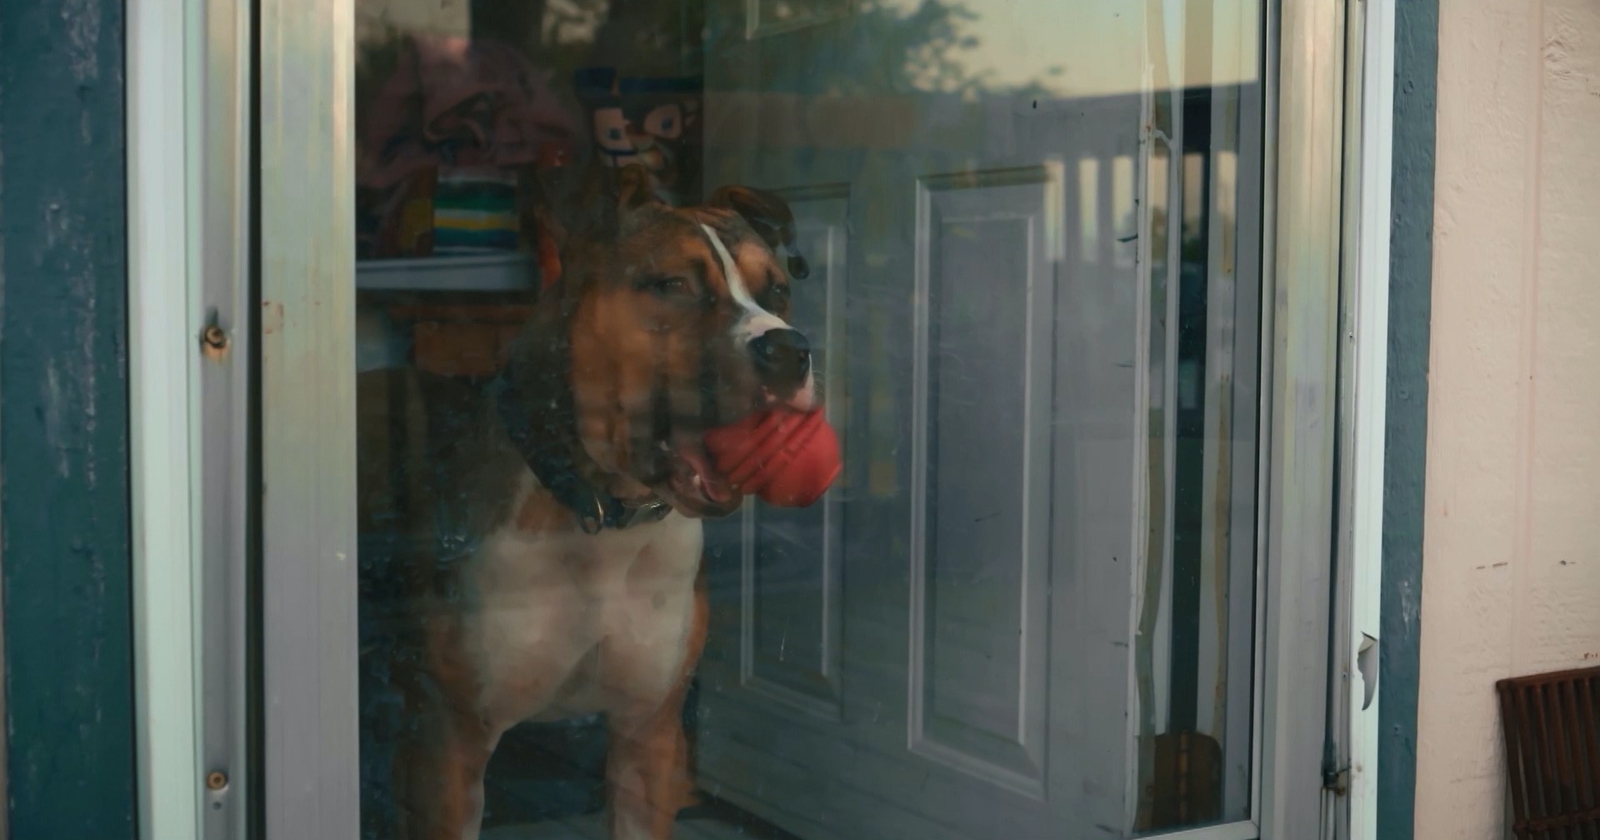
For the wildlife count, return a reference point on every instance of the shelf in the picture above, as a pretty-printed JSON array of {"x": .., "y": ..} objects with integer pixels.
[{"x": 508, "y": 272}]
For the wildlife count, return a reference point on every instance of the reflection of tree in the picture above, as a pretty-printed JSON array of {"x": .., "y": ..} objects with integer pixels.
[
  {"x": 865, "y": 46},
  {"x": 643, "y": 37},
  {"x": 880, "y": 46},
  {"x": 562, "y": 35},
  {"x": 870, "y": 46}
]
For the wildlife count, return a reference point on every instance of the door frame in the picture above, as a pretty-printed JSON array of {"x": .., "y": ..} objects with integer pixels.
[
  {"x": 1369, "y": 160},
  {"x": 309, "y": 713},
  {"x": 298, "y": 537},
  {"x": 189, "y": 211},
  {"x": 1300, "y": 318}
]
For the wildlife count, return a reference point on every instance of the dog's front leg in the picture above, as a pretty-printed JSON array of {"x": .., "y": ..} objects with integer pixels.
[
  {"x": 647, "y": 772},
  {"x": 648, "y": 777}
]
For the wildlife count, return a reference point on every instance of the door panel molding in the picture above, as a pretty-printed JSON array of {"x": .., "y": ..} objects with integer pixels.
[
  {"x": 821, "y": 216},
  {"x": 1002, "y": 744}
]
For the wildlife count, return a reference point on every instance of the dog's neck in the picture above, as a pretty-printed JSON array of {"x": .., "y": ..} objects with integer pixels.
[{"x": 533, "y": 402}]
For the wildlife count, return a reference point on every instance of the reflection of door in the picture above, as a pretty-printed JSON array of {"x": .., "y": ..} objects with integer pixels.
[{"x": 942, "y": 649}]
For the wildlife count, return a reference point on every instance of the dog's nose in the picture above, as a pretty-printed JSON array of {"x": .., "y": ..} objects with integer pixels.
[{"x": 782, "y": 358}]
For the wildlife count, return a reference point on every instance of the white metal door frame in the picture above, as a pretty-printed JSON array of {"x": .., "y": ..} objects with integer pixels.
[{"x": 306, "y": 265}]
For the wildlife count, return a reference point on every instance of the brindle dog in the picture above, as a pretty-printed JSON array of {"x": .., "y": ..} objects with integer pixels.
[{"x": 544, "y": 549}]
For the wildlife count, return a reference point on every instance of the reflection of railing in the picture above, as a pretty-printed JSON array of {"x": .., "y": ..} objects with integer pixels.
[{"x": 1194, "y": 658}]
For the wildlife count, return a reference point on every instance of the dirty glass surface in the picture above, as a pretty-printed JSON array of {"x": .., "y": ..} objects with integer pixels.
[{"x": 636, "y": 277}]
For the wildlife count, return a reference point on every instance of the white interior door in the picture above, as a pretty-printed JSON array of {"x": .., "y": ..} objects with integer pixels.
[{"x": 942, "y": 648}]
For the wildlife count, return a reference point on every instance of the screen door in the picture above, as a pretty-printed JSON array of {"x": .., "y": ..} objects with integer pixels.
[{"x": 1030, "y": 604}]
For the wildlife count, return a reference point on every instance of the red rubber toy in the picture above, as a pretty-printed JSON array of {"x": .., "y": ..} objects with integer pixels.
[{"x": 788, "y": 458}]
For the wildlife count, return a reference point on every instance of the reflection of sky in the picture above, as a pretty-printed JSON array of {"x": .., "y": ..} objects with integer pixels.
[
  {"x": 1096, "y": 47},
  {"x": 1069, "y": 47}
]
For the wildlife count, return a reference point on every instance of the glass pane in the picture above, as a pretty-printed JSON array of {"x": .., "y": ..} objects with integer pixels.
[{"x": 807, "y": 418}]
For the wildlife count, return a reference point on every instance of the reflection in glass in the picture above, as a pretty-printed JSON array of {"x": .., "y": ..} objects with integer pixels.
[{"x": 1023, "y": 256}]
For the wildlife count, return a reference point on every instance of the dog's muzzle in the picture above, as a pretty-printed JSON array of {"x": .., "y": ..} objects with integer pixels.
[{"x": 782, "y": 359}]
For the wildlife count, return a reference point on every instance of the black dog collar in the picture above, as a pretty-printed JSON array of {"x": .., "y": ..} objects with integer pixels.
[{"x": 552, "y": 458}]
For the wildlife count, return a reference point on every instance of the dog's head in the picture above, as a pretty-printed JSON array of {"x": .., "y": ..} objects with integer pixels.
[{"x": 674, "y": 321}]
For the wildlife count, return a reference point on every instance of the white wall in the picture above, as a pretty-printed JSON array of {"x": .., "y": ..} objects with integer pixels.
[{"x": 1511, "y": 573}]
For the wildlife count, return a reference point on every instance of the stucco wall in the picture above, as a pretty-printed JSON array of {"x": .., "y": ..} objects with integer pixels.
[{"x": 1511, "y": 576}]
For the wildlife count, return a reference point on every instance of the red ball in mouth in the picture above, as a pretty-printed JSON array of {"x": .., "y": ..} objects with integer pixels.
[{"x": 788, "y": 458}]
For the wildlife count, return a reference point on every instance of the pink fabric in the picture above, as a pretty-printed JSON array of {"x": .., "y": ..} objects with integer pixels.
[{"x": 479, "y": 102}]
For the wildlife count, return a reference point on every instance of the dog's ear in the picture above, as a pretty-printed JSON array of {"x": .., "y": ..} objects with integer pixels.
[
  {"x": 589, "y": 201},
  {"x": 634, "y": 189},
  {"x": 769, "y": 216}
]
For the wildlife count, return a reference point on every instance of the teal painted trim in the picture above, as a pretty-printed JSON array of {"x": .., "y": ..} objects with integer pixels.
[
  {"x": 1406, "y": 433},
  {"x": 64, "y": 496}
]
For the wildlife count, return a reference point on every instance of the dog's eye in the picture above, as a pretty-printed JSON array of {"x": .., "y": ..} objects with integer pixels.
[
  {"x": 777, "y": 296},
  {"x": 665, "y": 286}
]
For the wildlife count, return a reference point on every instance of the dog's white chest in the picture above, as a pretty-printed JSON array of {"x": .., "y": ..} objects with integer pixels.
[{"x": 565, "y": 623}]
